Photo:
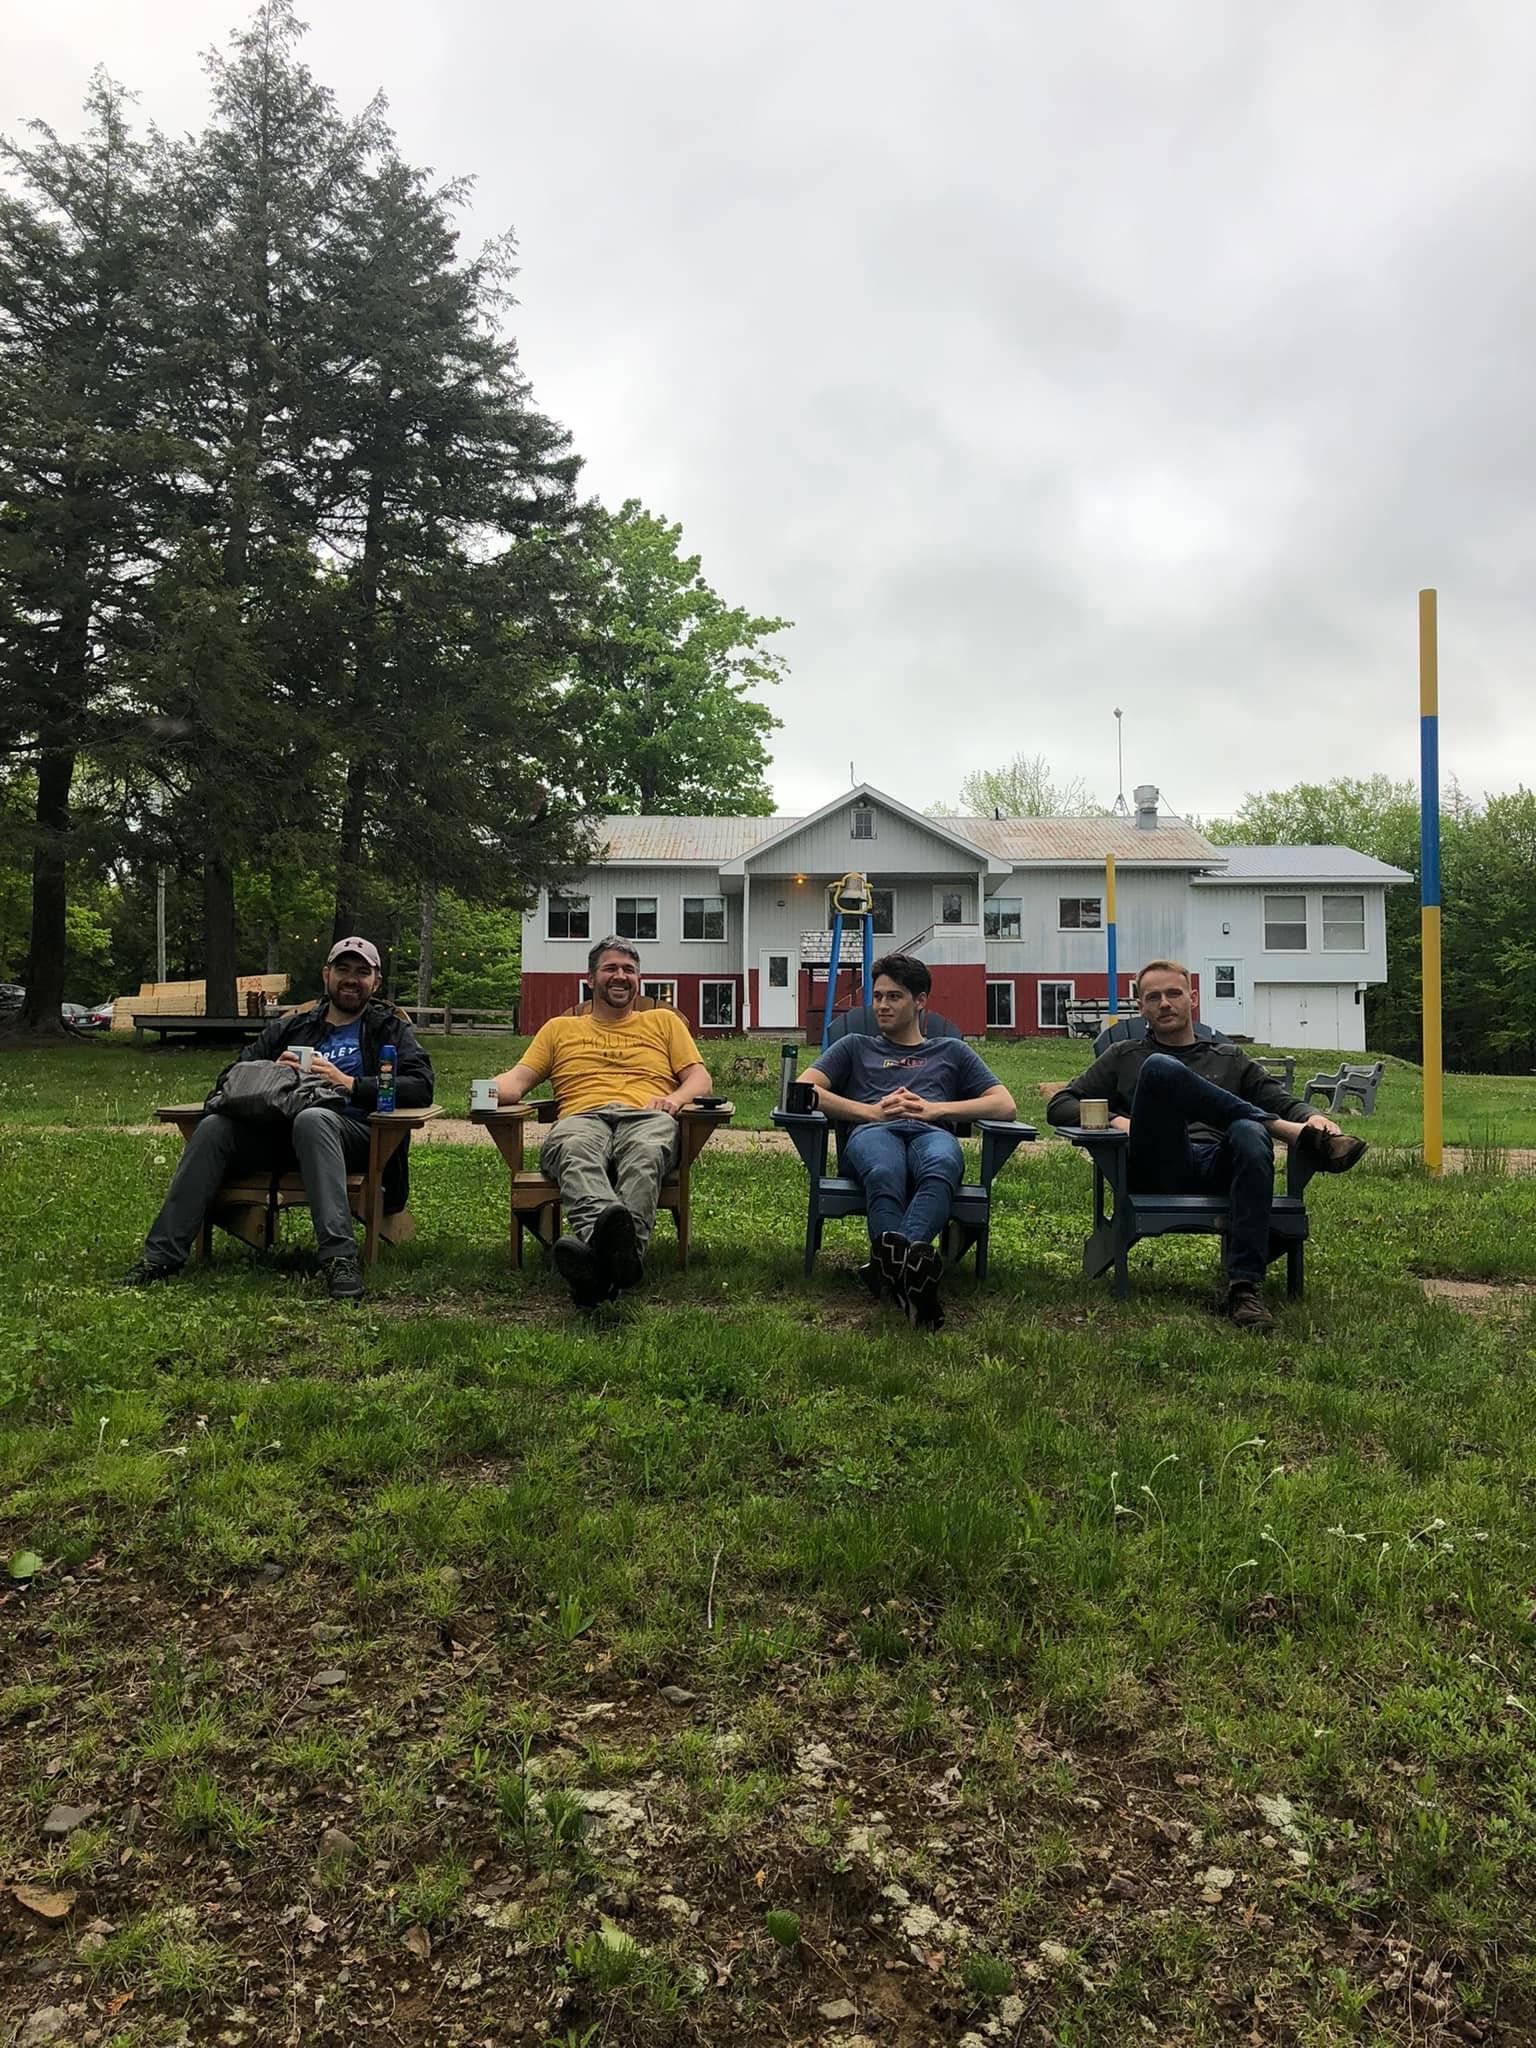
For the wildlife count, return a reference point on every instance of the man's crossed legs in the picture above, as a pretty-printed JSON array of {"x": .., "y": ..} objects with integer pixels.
[
  {"x": 910, "y": 1178},
  {"x": 609, "y": 1165},
  {"x": 1162, "y": 1158}
]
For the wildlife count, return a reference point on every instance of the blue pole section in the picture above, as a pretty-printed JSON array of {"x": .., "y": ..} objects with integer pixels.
[
  {"x": 834, "y": 960},
  {"x": 1109, "y": 929},
  {"x": 869, "y": 957},
  {"x": 1114, "y": 1000}
]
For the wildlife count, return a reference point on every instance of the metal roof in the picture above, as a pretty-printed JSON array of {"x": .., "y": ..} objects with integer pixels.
[
  {"x": 1301, "y": 864},
  {"x": 687, "y": 839},
  {"x": 1042, "y": 841}
]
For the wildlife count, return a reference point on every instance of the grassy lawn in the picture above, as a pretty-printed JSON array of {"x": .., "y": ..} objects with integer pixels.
[{"x": 746, "y": 1668}]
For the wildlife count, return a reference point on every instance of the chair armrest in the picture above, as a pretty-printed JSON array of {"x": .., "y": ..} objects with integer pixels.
[
  {"x": 716, "y": 1113},
  {"x": 809, "y": 1132},
  {"x": 405, "y": 1119},
  {"x": 1090, "y": 1140},
  {"x": 505, "y": 1113},
  {"x": 698, "y": 1126},
  {"x": 178, "y": 1112},
  {"x": 999, "y": 1141}
]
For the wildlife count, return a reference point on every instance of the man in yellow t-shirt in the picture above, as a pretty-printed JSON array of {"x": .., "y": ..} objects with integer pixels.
[{"x": 619, "y": 1076}]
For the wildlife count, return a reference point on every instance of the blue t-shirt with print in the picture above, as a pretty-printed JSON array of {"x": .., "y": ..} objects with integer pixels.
[
  {"x": 343, "y": 1047},
  {"x": 939, "y": 1069}
]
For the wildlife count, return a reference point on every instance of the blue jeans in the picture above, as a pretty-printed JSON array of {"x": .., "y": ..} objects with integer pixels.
[
  {"x": 909, "y": 1173},
  {"x": 1163, "y": 1159}
]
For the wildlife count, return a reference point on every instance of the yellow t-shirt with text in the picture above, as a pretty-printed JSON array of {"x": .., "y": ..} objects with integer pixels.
[{"x": 590, "y": 1065}]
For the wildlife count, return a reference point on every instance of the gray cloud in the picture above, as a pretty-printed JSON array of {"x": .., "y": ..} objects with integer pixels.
[{"x": 1033, "y": 360}]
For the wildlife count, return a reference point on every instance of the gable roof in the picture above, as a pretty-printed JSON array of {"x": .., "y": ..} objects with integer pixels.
[
  {"x": 866, "y": 793},
  {"x": 1302, "y": 864}
]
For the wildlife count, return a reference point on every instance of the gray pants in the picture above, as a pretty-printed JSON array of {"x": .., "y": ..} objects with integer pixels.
[
  {"x": 607, "y": 1155},
  {"x": 326, "y": 1148}
]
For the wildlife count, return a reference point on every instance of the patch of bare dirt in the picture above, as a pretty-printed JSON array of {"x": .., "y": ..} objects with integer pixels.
[{"x": 1479, "y": 1297}]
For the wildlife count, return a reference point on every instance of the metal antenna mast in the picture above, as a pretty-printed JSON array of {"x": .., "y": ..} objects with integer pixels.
[{"x": 1121, "y": 808}]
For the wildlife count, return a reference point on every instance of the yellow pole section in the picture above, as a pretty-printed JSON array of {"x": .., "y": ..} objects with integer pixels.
[
  {"x": 1109, "y": 888},
  {"x": 1429, "y": 879}
]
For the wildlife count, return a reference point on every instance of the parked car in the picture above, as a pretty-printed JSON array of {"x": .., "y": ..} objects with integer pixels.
[
  {"x": 76, "y": 1014},
  {"x": 97, "y": 1018},
  {"x": 12, "y": 996}
]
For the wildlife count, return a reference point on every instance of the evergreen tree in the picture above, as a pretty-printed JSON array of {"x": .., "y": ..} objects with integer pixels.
[
  {"x": 268, "y": 198},
  {"x": 446, "y": 502},
  {"x": 85, "y": 471}
]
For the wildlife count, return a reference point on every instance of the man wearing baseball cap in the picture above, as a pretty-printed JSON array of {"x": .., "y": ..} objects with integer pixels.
[{"x": 345, "y": 1032}]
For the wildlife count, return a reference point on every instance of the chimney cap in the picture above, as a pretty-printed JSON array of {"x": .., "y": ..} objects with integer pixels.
[{"x": 1146, "y": 796}]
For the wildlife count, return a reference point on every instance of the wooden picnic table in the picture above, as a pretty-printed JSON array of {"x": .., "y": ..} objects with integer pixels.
[{"x": 202, "y": 1030}]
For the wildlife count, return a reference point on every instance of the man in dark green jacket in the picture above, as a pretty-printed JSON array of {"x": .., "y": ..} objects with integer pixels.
[
  {"x": 345, "y": 1031},
  {"x": 1203, "y": 1119}
]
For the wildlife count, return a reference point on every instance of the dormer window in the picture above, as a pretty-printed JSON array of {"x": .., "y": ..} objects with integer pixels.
[{"x": 863, "y": 826}]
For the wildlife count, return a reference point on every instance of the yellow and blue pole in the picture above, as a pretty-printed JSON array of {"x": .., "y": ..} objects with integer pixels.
[
  {"x": 1109, "y": 929},
  {"x": 1429, "y": 878}
]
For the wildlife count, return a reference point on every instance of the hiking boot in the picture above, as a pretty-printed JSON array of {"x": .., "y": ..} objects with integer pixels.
[
  {"x": 145, "y": 1272},
  {"x": 888, "y": 1258},
  {"x": 1246, "y": 1306},
  {"x": 344, "y": 1279},
  {"x": 925, "y": 1269},
  {"x": 1329, "y": 1151},
  {"x": 578, "y": 1267},
  {"x": 616, "y": 1247}
]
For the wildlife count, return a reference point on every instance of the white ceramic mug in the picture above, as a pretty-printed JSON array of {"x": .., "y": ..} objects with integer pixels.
[
  {"x": 482, "y": 1095},
  {"x": 303, "y": 1054}
]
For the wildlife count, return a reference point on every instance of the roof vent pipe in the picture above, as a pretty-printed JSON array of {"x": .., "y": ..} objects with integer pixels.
[{"x": 1146, "y": 794}]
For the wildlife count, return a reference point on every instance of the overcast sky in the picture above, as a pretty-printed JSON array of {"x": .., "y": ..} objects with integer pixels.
[{"x": 1033, "y": 359}]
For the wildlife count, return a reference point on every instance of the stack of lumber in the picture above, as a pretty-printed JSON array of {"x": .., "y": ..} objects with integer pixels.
[{"x": 189, "y": 998}]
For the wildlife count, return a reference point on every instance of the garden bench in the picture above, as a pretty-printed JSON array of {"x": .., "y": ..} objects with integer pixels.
[
  {"x": 1123, "y": 1216},
  {"x": 535, "y": 1198},
  {"x": 249, "y": 1203},
  {"x": 1359, "y": 1081}
]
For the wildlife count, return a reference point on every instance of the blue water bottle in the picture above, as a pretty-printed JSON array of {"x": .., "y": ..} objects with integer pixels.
[{"x": 386, "y": 1077}]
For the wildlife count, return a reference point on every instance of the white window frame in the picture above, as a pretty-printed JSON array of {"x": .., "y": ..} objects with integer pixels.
[
  {"x": 939, "y": 893},
  {"x": 1218, "y": 969},
  {"x": 1040, "y": 989},
  {"x": 1343, "y": 896},
  {"x": 653, "y": 990},
  {"x": 1010, "y": 1022},
  {"x": 1305, "y": 920},
  {"x": 567, "y": 938},
  {"x": 712, "y": 981},
  {"x": 1061, "y": 926},
  {"x": 888, "y": 929},
  {"x": 635, "y": 938},
  {"x": 583, "y": 990},
  {"x": 995, "y": 903},
  {"x": 789, "y": 979},
  {"x": 861, "y": 814},
  {"x": 704, "y": 939}
]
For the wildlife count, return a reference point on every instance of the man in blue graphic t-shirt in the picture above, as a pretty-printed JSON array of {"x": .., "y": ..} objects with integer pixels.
[
  {"x": 327, "y": 1139},
  {"x": 903, "y": 1094}
]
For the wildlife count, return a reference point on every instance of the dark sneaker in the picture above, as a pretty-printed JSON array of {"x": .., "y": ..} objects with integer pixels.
[
  {"x": 616, "y": 1247},
  {"x": 145, "y": 1272},
  {"x": 1329, "y": 1151},
  {"x": 871, "y": 1279},
  {"x": 888, "y": 1257},
  {"x": 344, "y": 1279},
  {"x": 925, "y": 1269},
  {"x": 1246, "y": 1306},
  {"x": 578, "y": 1267}
]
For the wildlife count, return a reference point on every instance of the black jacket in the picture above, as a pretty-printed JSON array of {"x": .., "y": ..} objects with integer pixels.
[
  {"x": 1114, "y": 1074},
  {"x": 383, "y": 1024}
]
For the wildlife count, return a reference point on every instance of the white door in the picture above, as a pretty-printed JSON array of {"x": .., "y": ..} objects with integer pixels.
[
  {"x": 778, "y": 990},
  {"x": 1221, "y": 995}
]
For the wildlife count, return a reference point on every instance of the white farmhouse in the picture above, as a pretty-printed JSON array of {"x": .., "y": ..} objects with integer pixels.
[{"x": 731, "y": 917}]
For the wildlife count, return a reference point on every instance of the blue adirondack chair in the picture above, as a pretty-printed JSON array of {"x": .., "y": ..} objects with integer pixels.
[{"x": 838, "y": 1194}]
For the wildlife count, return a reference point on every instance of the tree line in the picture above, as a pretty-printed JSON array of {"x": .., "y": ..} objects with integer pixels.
[{"x": 297, "y": 585}]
